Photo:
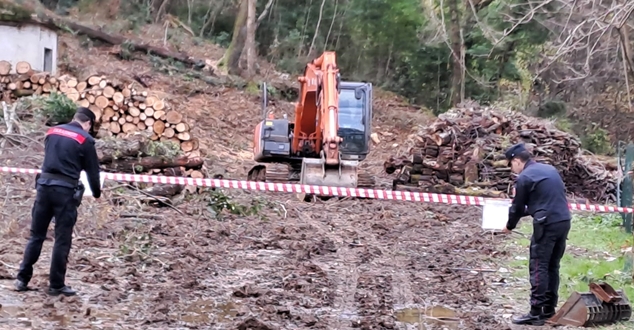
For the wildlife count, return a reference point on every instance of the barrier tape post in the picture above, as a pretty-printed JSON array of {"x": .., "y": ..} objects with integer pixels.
[{"x": 321, "y": 190}]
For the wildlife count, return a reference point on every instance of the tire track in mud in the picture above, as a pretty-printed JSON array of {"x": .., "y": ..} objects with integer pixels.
[
  {"x": 344, "y": 304},
  {"x": 362, "y": 292},
  {"x": 328, "y": 250},
  {"x": 374, "y": 291}
]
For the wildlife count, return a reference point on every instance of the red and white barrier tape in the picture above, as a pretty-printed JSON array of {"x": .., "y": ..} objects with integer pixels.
[{"x": 325, "y": 191}]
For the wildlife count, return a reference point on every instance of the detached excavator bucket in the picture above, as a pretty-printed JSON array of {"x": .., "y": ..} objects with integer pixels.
[
  {"x": 601, "y": 306},
  {"x": 314, "y": 172}
]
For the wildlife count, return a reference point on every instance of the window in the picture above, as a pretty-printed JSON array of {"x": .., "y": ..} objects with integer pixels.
[
  {"x": 351, "y": 122},
  {"x": 48, "y": 60},
  {"x": 351, "y": 111}
]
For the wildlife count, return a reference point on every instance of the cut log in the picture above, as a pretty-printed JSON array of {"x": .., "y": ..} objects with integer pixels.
[
  {"x": 23, "y": 67},
  {"x": 174, "y": 117},
  {"x": 147, "y": 163},
  {"x": 108, "y": 92},
  {"x": 128, "y": 128},
  {"x": 158, "y": 127},
  {"x": 5, "y": 68},
  {"x": 158, "y": 106},
  {"x": 190, "y": 145}
]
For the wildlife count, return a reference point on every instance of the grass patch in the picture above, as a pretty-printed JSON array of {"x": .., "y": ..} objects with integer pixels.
[{"x": 598, "y": 249}]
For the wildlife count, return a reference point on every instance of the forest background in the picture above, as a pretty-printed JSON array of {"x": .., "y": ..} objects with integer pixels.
[{"x": 569, "y": 60}]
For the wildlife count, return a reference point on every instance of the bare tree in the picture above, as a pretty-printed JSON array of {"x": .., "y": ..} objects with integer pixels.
[
  {"x": 231, "y": 59},
  {"x": 321, "y": 13},
  {"x": 250, "y": 40}
]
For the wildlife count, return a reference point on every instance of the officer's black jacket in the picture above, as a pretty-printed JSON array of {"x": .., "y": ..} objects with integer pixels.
[
  {"x": 539, "y": 192},
  {"x": 69, "y": 150}
]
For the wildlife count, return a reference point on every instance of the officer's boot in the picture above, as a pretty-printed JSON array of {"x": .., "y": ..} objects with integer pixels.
[
  {"x": 549, "y": 312},
  {"x": 66, "y": 290},
  {"x": 21, "y": 286},
  {"x": 535, "y": 317}
]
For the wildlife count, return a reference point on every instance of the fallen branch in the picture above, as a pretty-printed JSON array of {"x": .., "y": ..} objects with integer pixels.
[{"x": 115, "y": 40}]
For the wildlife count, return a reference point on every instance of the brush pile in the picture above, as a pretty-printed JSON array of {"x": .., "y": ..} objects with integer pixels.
[{"x": 465, "y": 148}]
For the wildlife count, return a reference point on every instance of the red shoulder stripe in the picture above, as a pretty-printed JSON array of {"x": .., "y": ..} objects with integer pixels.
[{"x": 66, "y": 133}]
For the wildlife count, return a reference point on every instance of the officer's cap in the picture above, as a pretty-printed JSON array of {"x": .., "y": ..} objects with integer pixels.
[
  {"x": 88, "y": 113},
  {"x": 513, "y": 151}
]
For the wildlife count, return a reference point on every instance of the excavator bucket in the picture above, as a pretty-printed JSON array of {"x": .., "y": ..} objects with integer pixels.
[
  {"x": 601, "y": 306},
  {"x": 315, "y": 172}
]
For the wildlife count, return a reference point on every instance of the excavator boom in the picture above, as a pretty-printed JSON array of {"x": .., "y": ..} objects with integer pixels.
[
  {"x": 330, "y": 133},
  {"x": 328, "y": 169}
]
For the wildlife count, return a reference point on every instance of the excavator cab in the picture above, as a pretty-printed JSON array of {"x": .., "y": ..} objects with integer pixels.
[
  {"x": 355, "y": 120},
  {"x": 355, "y": 127}
]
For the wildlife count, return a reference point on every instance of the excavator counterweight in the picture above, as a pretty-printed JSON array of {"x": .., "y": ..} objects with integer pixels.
[{"x": 328, "y": 137}]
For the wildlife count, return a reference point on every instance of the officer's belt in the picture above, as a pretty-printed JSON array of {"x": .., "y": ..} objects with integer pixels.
[{"x": 59, "y": 177}]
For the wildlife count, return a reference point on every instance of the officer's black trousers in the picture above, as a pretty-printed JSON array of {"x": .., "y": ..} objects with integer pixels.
[
  {"x": 58, "y": 202},
  {"x": 546, "y": 252}
]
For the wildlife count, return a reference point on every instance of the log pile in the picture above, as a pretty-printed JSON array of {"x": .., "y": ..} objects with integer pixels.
[
  {"x": 120, "y": 108},
  {"x": 465, "y": 148},
  {"x": 138, "y": 154}
]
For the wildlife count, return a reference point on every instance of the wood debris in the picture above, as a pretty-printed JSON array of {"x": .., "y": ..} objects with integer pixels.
[{"x": 465, "y": 148}]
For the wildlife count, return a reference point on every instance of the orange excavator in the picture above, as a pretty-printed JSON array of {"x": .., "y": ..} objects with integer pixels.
[{"x": 328, "y": 138}]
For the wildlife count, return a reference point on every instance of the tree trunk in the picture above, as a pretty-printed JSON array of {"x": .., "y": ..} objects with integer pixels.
[
  {"x": 627, "y": 49},
  {"x": 231, "y": 59},
  {"x": 250, "y": 39},
  {"x": 212, "y": 14},
  {"x": 456, "y": 52},
  {"x": 145, "y": 164}
]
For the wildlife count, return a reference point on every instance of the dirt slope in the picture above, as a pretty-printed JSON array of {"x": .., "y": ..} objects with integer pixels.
[{"x": 286, "y": 265}]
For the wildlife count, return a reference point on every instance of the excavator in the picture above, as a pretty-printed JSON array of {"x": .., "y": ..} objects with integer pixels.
[{"x": 328, "y": 138}]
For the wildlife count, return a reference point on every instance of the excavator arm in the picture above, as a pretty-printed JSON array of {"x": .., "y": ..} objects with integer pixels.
[
  {"x": 317, "y": 113},
  {"x": 317, "y": 126}
]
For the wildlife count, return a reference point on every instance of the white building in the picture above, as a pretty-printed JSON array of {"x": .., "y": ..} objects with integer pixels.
[{"x": 32, "y": 43}]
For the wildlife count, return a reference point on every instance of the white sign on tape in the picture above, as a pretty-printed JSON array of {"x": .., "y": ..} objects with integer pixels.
[
  {"x": 495, "y": 214},
  {"x": 84, "y": 180}
]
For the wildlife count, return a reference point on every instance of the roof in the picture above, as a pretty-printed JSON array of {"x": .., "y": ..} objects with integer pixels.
[{"x": 19, "y": 24}]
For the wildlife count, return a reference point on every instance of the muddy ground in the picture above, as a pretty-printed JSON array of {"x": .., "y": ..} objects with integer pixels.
[{"x": 326, "y": 265}]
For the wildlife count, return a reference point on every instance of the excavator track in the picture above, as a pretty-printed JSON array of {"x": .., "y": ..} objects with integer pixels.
[{"x": 282, "y": 173}]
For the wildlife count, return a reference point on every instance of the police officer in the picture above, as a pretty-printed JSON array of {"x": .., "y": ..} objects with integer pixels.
[
  {"x": 69, "y": 149},
  {"x": 540, "y": 193}
]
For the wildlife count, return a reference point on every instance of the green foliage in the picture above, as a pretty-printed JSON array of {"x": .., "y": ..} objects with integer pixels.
[
  {"x": 169, "y": 149},
  {"x": 53, "y": 109},
  {"x": 597, "y": 140},
  {"x": 58, "y": 108},
  {"x": 218, "y": 202}
]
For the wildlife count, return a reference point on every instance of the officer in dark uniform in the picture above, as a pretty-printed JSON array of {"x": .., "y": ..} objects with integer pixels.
[
  {"x": 69, "y": 149},
  {"x": 540, "y": 193}
]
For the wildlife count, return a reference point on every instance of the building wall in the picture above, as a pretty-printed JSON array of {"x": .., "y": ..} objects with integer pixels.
[{"x": 27, "y": 43}]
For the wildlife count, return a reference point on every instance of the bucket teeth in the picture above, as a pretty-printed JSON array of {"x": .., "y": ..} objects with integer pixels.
[{"x": 601, "y": 306}]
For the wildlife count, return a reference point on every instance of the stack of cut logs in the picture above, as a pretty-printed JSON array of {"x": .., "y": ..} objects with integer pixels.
[
  {"x": 465, "y": 148},
  {"x": 120, "y": 108},
  {"x": 136, "y": 117}
]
